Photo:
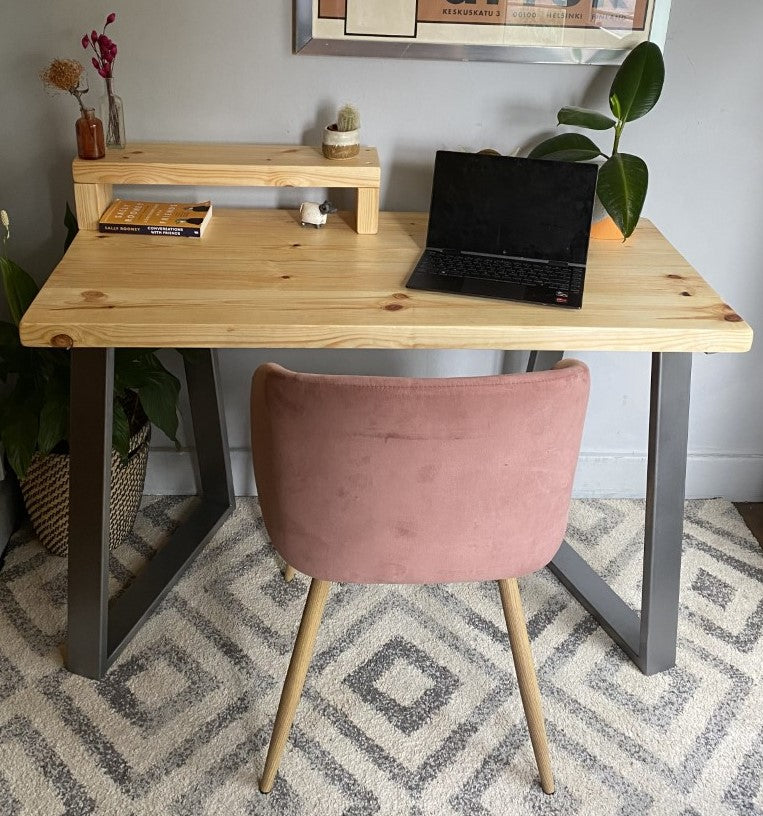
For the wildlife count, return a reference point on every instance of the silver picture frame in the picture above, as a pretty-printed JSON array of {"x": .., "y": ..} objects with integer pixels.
[{"x": 306, "y": 43}]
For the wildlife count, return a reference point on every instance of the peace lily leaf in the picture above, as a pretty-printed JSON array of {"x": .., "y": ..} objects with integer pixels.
[
  {"x": 582, "y": 117},
  {"x": 11, "y": 352},
  {"x": 20, "y": 290},
  {"x": 9, "y": 334},
  {"x": 621, "y": 188},
  {"x": 158, "y": 393},
  {"x": 638, "y": 83},
  {"x": 19, "y": 435},
  {"x": 54, "y": 416},
  {"x": 567, "y": 147}
]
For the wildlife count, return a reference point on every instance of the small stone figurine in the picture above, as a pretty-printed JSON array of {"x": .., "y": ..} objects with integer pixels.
[{"x": 314, "y": 214}]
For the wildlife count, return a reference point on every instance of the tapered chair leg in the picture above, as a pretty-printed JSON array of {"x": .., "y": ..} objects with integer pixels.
[
  {"x": 288, "y": 573},
  {"x": 295, "y": 679},
  {"x": 526, "y": 678}
]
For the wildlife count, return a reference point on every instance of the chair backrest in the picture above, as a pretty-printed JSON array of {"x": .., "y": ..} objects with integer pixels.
[{"x": 397, "y": 480}]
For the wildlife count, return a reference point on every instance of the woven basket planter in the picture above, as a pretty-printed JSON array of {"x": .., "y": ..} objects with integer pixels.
[{"x": 46, "y": 494}]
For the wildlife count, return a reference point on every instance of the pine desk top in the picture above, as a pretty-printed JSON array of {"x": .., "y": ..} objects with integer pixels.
[{"x": 259, "y": 279}]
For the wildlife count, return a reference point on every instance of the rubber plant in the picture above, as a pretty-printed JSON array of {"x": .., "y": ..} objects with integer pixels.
[
  {"x": 623, "y": 177},
  {"x": 34, "y": 411}
]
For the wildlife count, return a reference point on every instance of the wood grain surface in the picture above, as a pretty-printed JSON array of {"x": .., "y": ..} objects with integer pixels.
[
  {"x": 259, "y": 279},
  {"x": 228, "y": 165}
]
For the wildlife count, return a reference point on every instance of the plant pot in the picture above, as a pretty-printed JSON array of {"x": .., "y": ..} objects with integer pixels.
[
  {"x": 46, "y": 494},
  {"x": 340, "y": 144},
  {"x": 606, "y": 230},
  {"x": 603, "y": 228}
]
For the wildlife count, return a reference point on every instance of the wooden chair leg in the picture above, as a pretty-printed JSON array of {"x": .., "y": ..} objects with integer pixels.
[
  {"x": 288, "y": 573},
  {"x": 295, "y": 679},
  {"x": 526, "y": 678}
]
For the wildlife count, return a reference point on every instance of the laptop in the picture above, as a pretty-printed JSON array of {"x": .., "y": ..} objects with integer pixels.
[{"x": 509, "y": 228}]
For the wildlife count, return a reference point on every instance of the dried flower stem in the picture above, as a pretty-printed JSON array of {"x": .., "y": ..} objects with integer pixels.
[{"x": 65, "y": 75}]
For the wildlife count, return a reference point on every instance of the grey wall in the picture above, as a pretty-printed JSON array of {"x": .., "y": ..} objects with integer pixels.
[{"x": 193, "y": 70}]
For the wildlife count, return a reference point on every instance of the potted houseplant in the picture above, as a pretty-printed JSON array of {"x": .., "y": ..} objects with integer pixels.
[
  {"x": 342, "y": 139},
  {"x": 34, "y": 416},
  {"x": 623, "y": 177}
]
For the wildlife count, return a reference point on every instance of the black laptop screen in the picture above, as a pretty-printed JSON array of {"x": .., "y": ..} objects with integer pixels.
[{"x": 503, "y": 205}]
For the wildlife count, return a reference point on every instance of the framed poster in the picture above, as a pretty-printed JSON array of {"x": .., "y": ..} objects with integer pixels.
[{"x": 573, "y": 31}]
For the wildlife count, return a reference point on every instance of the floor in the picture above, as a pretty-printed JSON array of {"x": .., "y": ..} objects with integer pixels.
[
  {"x": 410, "y": 706},
  {"x": 752, "y": 513}
]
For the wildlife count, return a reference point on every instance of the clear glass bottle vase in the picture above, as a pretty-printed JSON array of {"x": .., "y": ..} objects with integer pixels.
[{"x": 113, "y": 116}]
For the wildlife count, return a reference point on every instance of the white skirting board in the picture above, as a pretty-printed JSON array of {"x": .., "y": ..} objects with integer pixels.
[{"x": 599, "y": 475}]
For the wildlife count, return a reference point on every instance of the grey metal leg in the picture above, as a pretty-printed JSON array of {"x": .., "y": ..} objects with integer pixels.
[
  {"x": 92, "y": 392},
  {"x": 210, "y": 434},
  {"x": 648, "y": 639},
  {"x": 98, "y": 631},
  {"x": 543, "y": 360},
  {"x": 665, "y": 495}
]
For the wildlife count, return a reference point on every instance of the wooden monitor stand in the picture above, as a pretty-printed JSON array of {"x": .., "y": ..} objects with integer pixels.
[{"x": 225, "y": 165}]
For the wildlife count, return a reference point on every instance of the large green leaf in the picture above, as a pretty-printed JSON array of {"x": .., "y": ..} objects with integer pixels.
[
  {"x": 9, "y": 335},
  {"x": 582, "y": 117},
  {"x": 638, "y": 83},
  {"x": 133, "y": 367},
  {"x": 622, "y": 185},
  {"x": 54, "y": 416},
  {"x": 19, "y": 288},
  {"x": 157, "y": 389},
  {"x": 159, "y": 396},
  {"x": 141, "y": 371},
  {"x": 566, "y": 147},
  {"x": 10, "y": 349},
  {"x": 18, "y": 432}
]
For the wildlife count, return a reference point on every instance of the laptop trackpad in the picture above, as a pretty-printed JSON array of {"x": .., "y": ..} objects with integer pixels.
[
  {"x": 493, "y": 288},
  {"x": 435, "y": 283}
]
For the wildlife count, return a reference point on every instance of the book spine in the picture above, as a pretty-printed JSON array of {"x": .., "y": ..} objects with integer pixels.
[{"x": 143, "y": 229}]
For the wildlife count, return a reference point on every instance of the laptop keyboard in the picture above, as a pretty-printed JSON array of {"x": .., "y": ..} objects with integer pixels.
[{"x": 524, "y": 273}]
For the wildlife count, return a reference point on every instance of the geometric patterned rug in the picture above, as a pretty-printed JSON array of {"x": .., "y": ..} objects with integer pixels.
[{"x": 411, "y": 703}]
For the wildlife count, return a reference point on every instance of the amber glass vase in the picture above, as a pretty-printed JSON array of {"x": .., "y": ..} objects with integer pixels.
[{"x": 90, "y": 141}]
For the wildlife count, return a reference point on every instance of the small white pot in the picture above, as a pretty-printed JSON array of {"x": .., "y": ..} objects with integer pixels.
[{"x": 341, "y": 144}]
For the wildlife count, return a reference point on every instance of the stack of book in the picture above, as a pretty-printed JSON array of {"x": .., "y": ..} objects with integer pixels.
[{"x": 156, "y": 218}]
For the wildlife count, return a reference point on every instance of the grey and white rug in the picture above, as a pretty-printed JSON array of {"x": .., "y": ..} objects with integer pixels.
[{"x": 411, "y": 705}]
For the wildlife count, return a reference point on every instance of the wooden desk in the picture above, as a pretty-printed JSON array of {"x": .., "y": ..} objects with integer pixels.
[{"x": 257, "y": 279}]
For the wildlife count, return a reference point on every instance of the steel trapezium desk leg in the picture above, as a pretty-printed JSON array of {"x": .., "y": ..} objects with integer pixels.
[
  {"x": 98, "y": 631},
  {"x": 92, "y": 394},
  {"x": 649, "y": 639}
]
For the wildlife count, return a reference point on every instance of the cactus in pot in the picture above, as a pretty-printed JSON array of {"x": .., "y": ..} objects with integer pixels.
[{"x": 341, "y": 140}]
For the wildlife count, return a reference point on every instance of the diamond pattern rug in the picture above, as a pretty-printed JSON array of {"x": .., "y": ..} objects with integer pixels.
[{"x": 411, "y": 704}]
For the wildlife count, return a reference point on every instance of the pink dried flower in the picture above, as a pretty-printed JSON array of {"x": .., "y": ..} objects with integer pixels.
[{"x": 104, "y": 48}]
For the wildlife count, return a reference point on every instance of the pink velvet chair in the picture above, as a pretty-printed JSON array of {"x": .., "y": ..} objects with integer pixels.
[{"x": 392, "y": 480}]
